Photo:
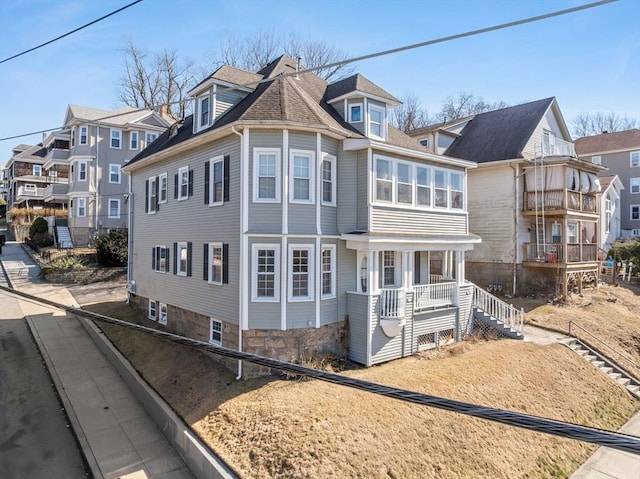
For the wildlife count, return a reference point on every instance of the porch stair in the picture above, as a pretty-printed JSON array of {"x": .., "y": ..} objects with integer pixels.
[
  {"x": 604, "y": 364},
  {"x": 497, "y": 315},
  {"x": 63, "y": 237}
]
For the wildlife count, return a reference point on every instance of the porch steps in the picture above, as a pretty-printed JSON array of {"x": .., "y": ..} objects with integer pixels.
[
  {"x": 495, "y": 324},
  {"x": 604, "y": 364},
  {"x": 63, "y": 237}
]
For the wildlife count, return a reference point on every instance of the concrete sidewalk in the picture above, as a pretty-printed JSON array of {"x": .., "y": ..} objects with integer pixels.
[{"x": 117, "y": 436}]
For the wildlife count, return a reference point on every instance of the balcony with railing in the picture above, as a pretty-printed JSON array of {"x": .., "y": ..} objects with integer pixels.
[
  {"x": 57, "y": 191},
  {"x": 426, "y": 297},
  {"x": 559, "y": 202},
  {"x": 56, "y": 156},
  {"x": 30, "y": 192},
  {"x": 559, "y": 148},
  {"x": 546, "y": 254}
]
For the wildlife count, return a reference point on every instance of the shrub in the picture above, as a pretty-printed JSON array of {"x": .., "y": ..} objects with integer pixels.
[
  {"x": 42, "y": 239},
  {"x": 38, "y": 226},
  {"x": 111, "y": 249},
  {"x": 64, "y": 263}
]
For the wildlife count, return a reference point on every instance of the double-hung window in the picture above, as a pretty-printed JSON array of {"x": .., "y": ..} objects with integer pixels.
[
  {"x": 423, "y": 186},
  {"x": 328, "y": 271},
  {"x": 384, "y": 180},
  {"x": 82, "y": 171},
  {"x": 328, "y": 180},
  {"x": 634, "y": 184},
  {"x": 216, "y": 180},
  {"x": 404, "y": 189},
  {"x": 440, "y": 188},
  {"x": 162, "y": 316},
  {"x": 160, "y": 259},
  {"x": 301, "y": 272},
  {"x": 215, "y": 332},
  {"x": 205, "y": 113},
  {"x": 114, "y": 173},
  {"x": 82, "y": 207},
  {"x": 153, "y": 310},
  {"x": 266, "y": 177},
  {"x": 182, "y": 258},
  {"x": 37, "y": 170},
  {"x": 635, "y": 212},
  {"x": 183, "y": 183},
  {"x": 162, "y": 187},
  {"x": 84, "y": 136},
  {"x": 634, "y": 159},
  {"x": 301, "y": 174},
  {"x": 388, "y": 268},
  {"x": 457, "y": 197},
  {"x": 116, "y": 137},
  {"x": 114, "y": 208},
  {"x": 266, "y": 264},
  {"x": 215, "y": 264},
  {"x": 133, "y": 140},
  {"x": 376, "y": 122},
  {"x": 152, "y": 194}
]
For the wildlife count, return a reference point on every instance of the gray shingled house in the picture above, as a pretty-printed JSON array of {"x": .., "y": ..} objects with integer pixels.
[{"x": 289, "y": 218}]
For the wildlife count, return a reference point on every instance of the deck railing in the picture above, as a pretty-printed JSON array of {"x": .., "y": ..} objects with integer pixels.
[
  {"x": 560, "y": 200},
  {"x": 498, "y": 309},
  {"x": 555, "y": 253},
  {"x": 436, "y": 295},
  {"x": 392, "y": 304}
]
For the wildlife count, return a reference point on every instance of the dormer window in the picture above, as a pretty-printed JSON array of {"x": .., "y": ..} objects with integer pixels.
[
  {"x": 355, "y": 113},
  {"x": 376, "y": 122},
  {"x": 205, "y": 112}
]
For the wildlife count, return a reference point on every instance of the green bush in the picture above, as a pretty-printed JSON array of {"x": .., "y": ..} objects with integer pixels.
[
  {"x": 64, "y": 263},
  {"x": 42, "y": 239},
  {"x": 38, "y": 226},
  {"x": 111, "y": 249}
]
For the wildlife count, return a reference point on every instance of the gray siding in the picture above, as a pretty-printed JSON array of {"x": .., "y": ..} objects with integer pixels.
[
  {"x": 359, "y": 309},
  {"x": 357, "y": 125},
  {"x": 384, "y": 348},
  {"x": 465, "y": 312},
  {"x": 620, "y": 164},
  {"x": 264, "y": 314},
  {"x": 362, "y": 222},
  {"x": 193, "y": 221},
  {"x": 225, "y": 100},
  {"x": 347, "y": 194},
  {"x": 302, "y": 218},
  {"x": 264, "y": 217},
  {"x": 329, "y": 214},
  {"x": 394, "y": 220}
]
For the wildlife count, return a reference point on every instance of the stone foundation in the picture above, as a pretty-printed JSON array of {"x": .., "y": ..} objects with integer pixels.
[
  {"x": 494, "y": 277},
  {"x": 80, "y": 236},
  {"x": 294, "y": 345}
]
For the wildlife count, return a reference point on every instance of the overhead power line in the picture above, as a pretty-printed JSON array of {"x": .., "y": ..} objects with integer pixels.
[
  {"x": 615, "y": 440},
  {"x": 356, "y": 59},
  {"x": 72, "y": 31}
]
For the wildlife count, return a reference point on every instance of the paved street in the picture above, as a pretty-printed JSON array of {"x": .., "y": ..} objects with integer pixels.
[{"x": 35, "y": 438}]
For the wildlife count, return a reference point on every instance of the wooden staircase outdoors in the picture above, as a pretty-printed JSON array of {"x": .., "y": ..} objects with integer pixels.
[{"x": 496, "y": 315}]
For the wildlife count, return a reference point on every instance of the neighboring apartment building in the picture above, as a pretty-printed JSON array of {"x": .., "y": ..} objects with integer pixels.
[
  {"x": 619, "y": 152},
  {"x": 89, "y": 150},
  {"x": 25, "y": 178},
  {"x": 289, "y": 217},
  {"x": 533, "y": 202}
]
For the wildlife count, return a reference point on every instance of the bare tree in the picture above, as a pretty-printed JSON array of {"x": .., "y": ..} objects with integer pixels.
[
  {"x": 151, "y": 81},
  {"x": 466, "y": 104},
  {"x": 587, "y": 124},
  {"x": 410, "y": 115},
  {"x": 253, "y": 52}
]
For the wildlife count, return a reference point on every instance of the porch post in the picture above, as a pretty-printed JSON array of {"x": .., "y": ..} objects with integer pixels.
[
  {"x": 373, "y": 260},
  {"x": 460, "y": 266},
  {"x": 407, "y": 262}
]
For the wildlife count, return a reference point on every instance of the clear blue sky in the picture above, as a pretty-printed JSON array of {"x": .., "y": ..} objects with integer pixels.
[{"x": 590, "y": 60}]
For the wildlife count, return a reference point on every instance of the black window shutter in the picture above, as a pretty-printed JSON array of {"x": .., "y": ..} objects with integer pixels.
[
  {"x": 153, "y": 258},
  {"x": 226, "y": 177},
  {"x": 157, "y": 192},
  {"x": 190, "y": 183},
  {"x": 225, "y": 263},
  {"x": 206, "y": 183},
  {"x": 175, "y": 258},
  {"x": 416, "y": 268},
  {"x": 146, "y": 196},
  {"x": 205, "y": 263},
  {"x": 189, "y": 250},
  {"x": 175, "y": 186},
  {"x": 166, "y": 262}
]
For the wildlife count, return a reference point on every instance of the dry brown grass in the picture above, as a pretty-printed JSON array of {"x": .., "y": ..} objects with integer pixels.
[{"x": 308, "y": 429}]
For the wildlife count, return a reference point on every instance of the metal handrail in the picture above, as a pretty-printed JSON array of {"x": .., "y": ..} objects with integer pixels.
[{"x": 633, "y": 363}]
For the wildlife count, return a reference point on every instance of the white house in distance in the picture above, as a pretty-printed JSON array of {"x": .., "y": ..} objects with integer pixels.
[{"x": 286, "y": 217}]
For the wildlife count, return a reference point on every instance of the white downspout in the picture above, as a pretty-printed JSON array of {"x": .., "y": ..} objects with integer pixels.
[
  {"x": 516, "y": 222},
  {"x": 243, "y": 218},
  {"x": 97, "y": 194}
]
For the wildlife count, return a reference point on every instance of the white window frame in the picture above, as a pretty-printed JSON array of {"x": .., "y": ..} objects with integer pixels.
[
  {"x": 159, "y": 251},
  {"x": 200, "y": 124},
  {"x": 183, "y": 174},
  {"x": 596, "y": 160},
  {"x": 217, "y": 330},
  {"x": 256, "y": 178},
  {"x": 116, "y": 202},
  {"x": 353, "y": 106},
  {"x": 634, "y": 159},
  {"x": 424, "y": 142},
  {"x": 395, "y": 267},
  {"x": 115, "y": 137},
  {"x": 212, "y": 183},
  {"x": 134, "y": 135},
  {"x": 163, "y": 188},
  {"x": 634, "y": 186},
  {"x": 85, "y": 135},
  {"x": 82, "y": 170},
  {"x": 151, "y": 194},
  {"x": 255, "y": 249},
  {"x": 428, "y": 186},
  {"x": 383, "y": 122},
  {"x": 440, "y": 188},
  {"x": 150, "y": 137},
  {"x": 182, "y": 246},
  {"x": 332, "y": 271},
  {"x": 452, "y": 190},
  {"x": 331, "y": 160},
  {"x": 81, "y": 206},
  {"x": 310, "y": 155},
  {"x": 152, "y": 310},
  {"x": 212, "y": 249},
  {"x": 163, "y": 313},
  {"x": 572, "y": 232},
  {"x": 631, "y": 208},
  {"x": 399, "y": 183},
  {"x": 385, "y": 180},
  {"x": 309, "y": 248},
  {"x": 114, "y": 169},
  {"x": 73, "y": 136},
  {"x": 37, "y": 168}
]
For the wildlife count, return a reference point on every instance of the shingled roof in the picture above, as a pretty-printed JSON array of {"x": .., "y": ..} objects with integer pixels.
[
  {"x": 499, "y": 134},
  {"x": 293, "y": 99},
  {"x": 618, "y": 140},
  {"x": 357, "y": 83},
  {"x": 121, "y": 116}
]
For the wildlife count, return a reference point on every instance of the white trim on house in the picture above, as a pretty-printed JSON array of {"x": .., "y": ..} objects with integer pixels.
[
  {"x": 152, "y": 310},
  {"x": 382, "y": 124},
  {"x": 274, "y": 271},
  {"x": 163, "y": 188},
  {"x": 114, "y": 169},
  {"x": 270, "y": 172},
  {"x": 80, "y": 135},
  {"x": 134, "y": 135},
  {"x": 117, "y": 208},
  {"x": 81, "y": 207},
  {"x": 634, "y": 159},
  {"x": 360, "y": 117},
  {"x": 298, "y": 253},
  {"x": 82, "y": 171},
  {"x": 331, "y": 159},
  {"x": 218, "y": 160},
  {"x": 331, "y": 249},
  {"x": 183, "y": 182},
  {"x": 151, "y": 195},
  {"x": 215, "y": 332},
  {"x": 115, "y": 138},
  {"x": 297, "y": 172},
  {"x": 182, "y": 247},
  {"x": 162, "y": 313},
  {"x": 211, "y": 263}
]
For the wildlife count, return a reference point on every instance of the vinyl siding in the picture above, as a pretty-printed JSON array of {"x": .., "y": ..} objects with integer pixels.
[
  {"x": 329, "y": 214},
  {"x": 491, "y": 207},
  {"x": 225, "y": 100},
  {"x": 384, "y": 348},
  {"x": 359, "y": 310},
  {"x": 347, "y": 195},
  {"x": 265, "y": 217},
  {"x": 362, "y": 221},
  {"x": 397, "y": 220},
  {"x": 193, "y": 221},
  {"x": 548, "y": 122},
  {"x": 620, "y": 164},
  {"x": 358, "y": 125}
]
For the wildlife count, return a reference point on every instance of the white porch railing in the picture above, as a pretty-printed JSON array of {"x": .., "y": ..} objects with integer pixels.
[
  {"x": 436, "y": 295},
  {"x": 392, "y": 304},
  {"x": 498, "y": 309},
  {"x": 438, "y": 278}
]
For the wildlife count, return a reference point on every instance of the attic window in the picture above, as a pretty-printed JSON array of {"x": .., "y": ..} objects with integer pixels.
[
  {"x": 425, "y": 142},
  {"x": 376, "y": 122},
  {"x": 204, "y": 112},
  {"x": 355, "y": 113}
]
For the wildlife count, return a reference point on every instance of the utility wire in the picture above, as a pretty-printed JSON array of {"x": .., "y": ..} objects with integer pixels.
[
  {"x": 69, "y": 33},
  {"x": 615, "y": 440},
  {"x": 253, "y": 84}
]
